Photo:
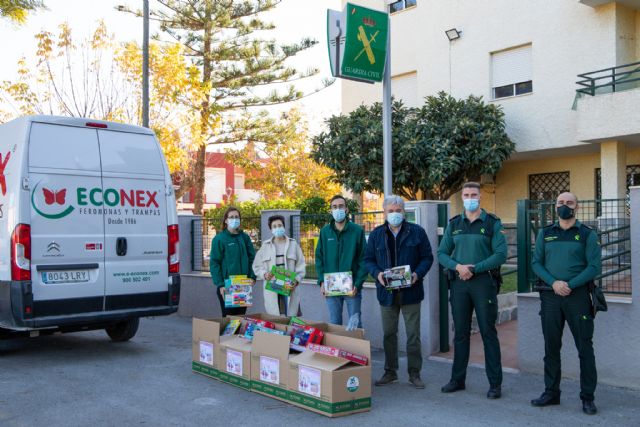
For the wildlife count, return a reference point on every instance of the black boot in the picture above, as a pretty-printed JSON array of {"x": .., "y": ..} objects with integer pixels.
[
  {"x": 452, "y": 386},
  {"x": 546, "y": 399},
  {"x": 588, "y": 407},
  {"x": 495, "y": 392}
]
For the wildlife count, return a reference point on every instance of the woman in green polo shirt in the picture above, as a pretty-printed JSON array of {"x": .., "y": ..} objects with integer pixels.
[{"x": 232, "y": 254}]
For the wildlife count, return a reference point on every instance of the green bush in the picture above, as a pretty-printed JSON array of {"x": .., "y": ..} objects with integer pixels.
[{"x": 310, "y": 206}]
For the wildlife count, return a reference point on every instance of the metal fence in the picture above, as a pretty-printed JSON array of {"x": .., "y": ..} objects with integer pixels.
[
  {"x": 203, "y": 230},
  {"x": 510, "y": 235},
  {"x": 609, "y": 217}
]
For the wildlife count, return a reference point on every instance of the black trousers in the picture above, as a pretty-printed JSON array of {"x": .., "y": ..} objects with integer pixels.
[
  {"x": 575, "y": 309},
  {"x": 479, "y": 294},
  {"x": 232, "y": 311}
]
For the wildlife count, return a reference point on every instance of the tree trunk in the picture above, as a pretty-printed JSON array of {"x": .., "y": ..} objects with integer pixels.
[
  {"x": 201, "y": 156},
  {"x": 198, "y": 187}
]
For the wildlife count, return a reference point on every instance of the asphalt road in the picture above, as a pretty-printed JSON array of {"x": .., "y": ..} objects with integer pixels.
[{"x": 84, "y": 379}]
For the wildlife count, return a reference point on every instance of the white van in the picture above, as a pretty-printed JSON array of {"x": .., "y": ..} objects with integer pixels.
[{"x": 88, "y": 227}]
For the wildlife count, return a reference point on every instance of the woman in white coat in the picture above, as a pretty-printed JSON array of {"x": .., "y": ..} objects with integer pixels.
[{"x": 281, "y": 251}]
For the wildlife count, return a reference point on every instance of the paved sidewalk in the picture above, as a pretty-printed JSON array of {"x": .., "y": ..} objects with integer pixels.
[
  {"x": 84, "y": 379},
  {"x": 508, "y": 336}
]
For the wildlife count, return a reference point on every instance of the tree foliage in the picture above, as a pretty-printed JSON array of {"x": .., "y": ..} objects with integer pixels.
[
  {"x": 280, "y": 165},
  {"x": 253, "y": 209},
  {"x": 18, "y": 10},
  {"x": 436, "y": 147},
  {"x": 226, "y": 40},
  {"x": 101, "y": 79}
]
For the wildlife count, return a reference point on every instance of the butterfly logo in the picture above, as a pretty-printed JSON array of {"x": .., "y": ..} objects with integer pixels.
[
  {"x": 52, "y": 197},
  {"x": 3, "y": 165}
]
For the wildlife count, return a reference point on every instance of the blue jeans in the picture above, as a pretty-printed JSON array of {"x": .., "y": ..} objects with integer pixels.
[{"x": 336, "y": 303}]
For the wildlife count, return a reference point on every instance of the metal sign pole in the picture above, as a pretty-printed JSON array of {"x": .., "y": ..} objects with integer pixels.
[
  {"x": 145, "y": 64},
  {"x": 387, "y": 152}
]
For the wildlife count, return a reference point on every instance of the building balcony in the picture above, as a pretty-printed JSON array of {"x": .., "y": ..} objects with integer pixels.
[{"x": 607, "y": 104}]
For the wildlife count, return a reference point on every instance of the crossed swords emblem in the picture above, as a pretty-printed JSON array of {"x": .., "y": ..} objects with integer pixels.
[{"x": 366, "y": 42}]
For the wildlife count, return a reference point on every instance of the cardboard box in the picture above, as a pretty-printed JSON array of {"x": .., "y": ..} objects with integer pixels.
[
  {"x": 235, "y": 361},
  {"x": 331, "y": 386},
  {"x": 270, "y": 365},
  {"x": 225, "y": 358},
  {"x": 205, "y": 342}
]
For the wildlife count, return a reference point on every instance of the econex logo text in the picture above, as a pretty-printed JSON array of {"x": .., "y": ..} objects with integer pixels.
[{"x": 55, "y": 204}]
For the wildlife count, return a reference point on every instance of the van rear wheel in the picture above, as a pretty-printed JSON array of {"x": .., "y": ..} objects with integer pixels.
[{"x": 123, "y": 331}]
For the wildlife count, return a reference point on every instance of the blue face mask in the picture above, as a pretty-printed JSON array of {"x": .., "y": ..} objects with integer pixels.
[
  {"x": 471, "y": 205},
  {"x": 278, "y": 231},
  {"x": 339, "y": 214},
  {"x": 395, "y": 218},
  {"x": 233, "y": 223}
]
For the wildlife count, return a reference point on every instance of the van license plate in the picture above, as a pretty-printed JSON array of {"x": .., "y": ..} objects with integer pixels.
[{"x": 71, "y": 276}]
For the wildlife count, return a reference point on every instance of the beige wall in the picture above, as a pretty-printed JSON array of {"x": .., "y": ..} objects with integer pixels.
[
  {"x": 512, "y": 182},
  {"x": 625, "y": 35}
]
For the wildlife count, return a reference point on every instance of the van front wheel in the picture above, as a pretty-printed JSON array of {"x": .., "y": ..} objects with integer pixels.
[{"x": 123, "y": 331}]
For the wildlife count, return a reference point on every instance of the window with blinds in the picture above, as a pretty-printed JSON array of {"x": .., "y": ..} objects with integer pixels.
[
  {"x": 397, "y": 6},
  {"x": 511, "y": 72},
  {"x": 405, "y": 88}
]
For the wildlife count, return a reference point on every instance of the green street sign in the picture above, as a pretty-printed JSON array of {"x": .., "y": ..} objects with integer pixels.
[{"x": 365, "y": 47}]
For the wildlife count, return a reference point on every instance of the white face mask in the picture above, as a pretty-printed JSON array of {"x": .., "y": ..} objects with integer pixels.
[
  {"x": 395, "y": 218},
  {"x": 339, "y": 214}
]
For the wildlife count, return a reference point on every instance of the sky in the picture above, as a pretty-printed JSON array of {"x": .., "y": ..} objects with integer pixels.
[{"x": 294, "y": 20}]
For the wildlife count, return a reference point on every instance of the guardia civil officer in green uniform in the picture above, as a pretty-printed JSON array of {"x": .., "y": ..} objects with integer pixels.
[
  {"x": 472, "y": 250},
  {"x": 567, "y": 258}
]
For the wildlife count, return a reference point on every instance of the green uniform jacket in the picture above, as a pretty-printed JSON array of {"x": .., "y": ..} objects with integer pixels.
[
  {"x": 564, "y": 255},
  {"x": 470, "y": 245},
  {"x": 231, "y": 255},
  {"x": 341, "y": 251}
]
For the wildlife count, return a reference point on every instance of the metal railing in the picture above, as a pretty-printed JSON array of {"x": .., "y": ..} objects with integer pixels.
[
  {"x": 610, "y": 218},
  {"x": 511, "y": 266},
  {"x": 203, "y": 230},
  {"x": 614, "y": 79}
]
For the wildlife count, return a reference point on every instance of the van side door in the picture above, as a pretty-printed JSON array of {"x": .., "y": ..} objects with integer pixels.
[{"x": 67, "y": 228}]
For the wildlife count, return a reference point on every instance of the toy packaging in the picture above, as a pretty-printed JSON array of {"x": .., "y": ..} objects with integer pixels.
[
  {"x": 336, "y": 284},
  {"x": 303, "y": 335},
  {"x": 239, "y": 292},
  {"x": 397, "y": 277},
  {"x": 283, "y": 281},
  {"x": 231, "y": 327}
]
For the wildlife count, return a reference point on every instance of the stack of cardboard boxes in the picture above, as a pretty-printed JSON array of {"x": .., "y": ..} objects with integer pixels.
[{"x": 329, "y": 385}]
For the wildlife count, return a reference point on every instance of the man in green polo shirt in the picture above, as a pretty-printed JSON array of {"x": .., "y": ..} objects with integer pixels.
[
  {"x": 472, "y": 250},
  {"x": 567, "y": 258},
  {"x": 340, "y": 248}
]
